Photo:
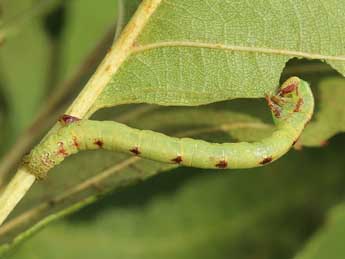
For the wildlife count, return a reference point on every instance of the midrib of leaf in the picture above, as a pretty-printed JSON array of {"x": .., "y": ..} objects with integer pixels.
[
  {"x": 80, "y": 107},
  {"x": 199, "y": 52},
  {"x": 59, "y": 99},
  {"x": 129, "y": 45},
  {"x": 113, "y": 60},
  {"x": 190, "y": 44}
]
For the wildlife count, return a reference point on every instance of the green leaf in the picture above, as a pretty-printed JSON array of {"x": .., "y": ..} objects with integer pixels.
[
  {"x": 196, "y": 52},
  {"x": 263, "y": 213},
  {"x": 330, "y": 118},
  {"x": 239, "y": 126},
  {"x": 329, "y": 241},
  {"x": 183, "y": 55}
]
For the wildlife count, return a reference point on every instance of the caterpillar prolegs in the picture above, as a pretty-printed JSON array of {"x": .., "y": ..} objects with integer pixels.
[{"x": 292, "y": 107}]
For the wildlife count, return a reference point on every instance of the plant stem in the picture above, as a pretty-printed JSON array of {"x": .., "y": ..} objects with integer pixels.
[
  {"x": 54, "y": 106},
  {"x": 14, "y": 192},
  {"x": 82, "y": 106}
]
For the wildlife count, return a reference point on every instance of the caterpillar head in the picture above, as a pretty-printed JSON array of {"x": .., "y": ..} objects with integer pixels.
[{"x": 287, "y": 100}]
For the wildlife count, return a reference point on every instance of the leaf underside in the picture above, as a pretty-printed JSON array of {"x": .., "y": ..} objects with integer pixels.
[
  {"x": 192, "y": 53},
  {"x": 197, "y": 52}
]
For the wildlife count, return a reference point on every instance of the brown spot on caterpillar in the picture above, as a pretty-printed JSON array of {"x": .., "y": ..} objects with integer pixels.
[
  {"x": 135, "y": 151},
  {"x": 276, "y": 112},
  {"x": 288, "y": 89},
  {"x": 222, "y": 164},
  {"x": 269, "y": 101},
  {"x": 99, "y": 143},
  {"x": 298, "y": 105},
  {"x": 62, "y": 151},
  {"x": 177, "y": 159},
  {"x": 266, "y": 160},
  {"x": 273, "y": 107},
  {"x": 67, "y": 119},
  {"x": 75, "y": 142}
]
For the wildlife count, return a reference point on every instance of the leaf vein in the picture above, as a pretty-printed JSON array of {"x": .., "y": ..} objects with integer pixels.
[{"x": 235, "y": 48}]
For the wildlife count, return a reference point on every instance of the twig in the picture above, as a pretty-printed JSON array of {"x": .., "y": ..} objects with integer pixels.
[
  {"x": 14, "y": 192},
  {"x": 53, "y": 106},
  {"x": 81, "y": 106},
  {"x": 61, "y": 96}
]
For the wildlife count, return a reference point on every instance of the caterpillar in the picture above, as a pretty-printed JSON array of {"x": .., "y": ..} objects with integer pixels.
[{"x": 291, "y": 107}]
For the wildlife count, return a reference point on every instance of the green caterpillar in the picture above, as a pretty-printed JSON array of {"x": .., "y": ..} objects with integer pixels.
[{"x": 292, "y": 108}]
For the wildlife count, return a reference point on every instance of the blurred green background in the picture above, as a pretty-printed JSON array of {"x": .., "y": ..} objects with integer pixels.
[{"x": 290, "y": 209}]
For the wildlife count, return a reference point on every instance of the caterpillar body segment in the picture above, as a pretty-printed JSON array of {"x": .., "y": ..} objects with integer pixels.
[{"x": 292, "y": 107}]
